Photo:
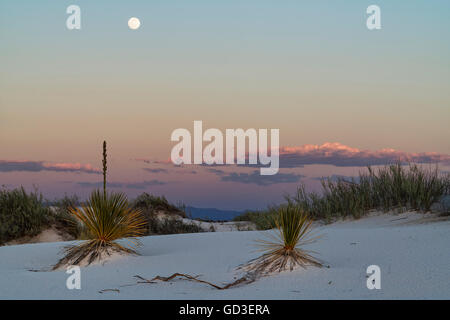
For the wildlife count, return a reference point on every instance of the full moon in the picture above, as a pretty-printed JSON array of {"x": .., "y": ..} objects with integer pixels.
[{"x": 134, "y": 23}]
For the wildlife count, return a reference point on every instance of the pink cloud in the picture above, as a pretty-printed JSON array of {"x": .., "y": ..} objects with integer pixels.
[
  {"x": 338, "y": 154},
  {"x": 77, "y": 167},
  {"x": 36, "y": 166}
]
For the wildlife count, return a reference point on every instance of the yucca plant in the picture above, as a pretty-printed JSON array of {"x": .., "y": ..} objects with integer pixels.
[
  {"x": 285, "y": 249},
  {"x": 105, "y": 218}
]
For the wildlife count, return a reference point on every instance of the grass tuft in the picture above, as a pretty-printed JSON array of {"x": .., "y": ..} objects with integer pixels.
[
  {"x": 22, "y": 214},
  {"x": 152, "y": 204},
  {"x": 391, "y": 187},
  {"x": 105, "y": 218},
  {"x": 285, "y": 249}
]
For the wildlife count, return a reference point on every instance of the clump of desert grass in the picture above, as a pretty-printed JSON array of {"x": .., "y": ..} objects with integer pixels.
[
  {"x": 394, "y": 187},
  {"x": 22, "y": 214},
  {"x": 151, "y": 206},
  {"x": 263, "y": 220},
  {"x": 391, "y": 187},
  {"x": 285, "y": 249},
  {"x": 104, "y": 219}
]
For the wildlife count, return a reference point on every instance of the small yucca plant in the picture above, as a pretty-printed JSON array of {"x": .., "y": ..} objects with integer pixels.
[
  {"x": 284, "y": 251},
  {"x": 105, "y": 218}
]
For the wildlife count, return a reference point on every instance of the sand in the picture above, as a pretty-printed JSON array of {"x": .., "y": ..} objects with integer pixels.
[
  {"x": 51, "y": 234},
  {"x": 412, "y": 251}
]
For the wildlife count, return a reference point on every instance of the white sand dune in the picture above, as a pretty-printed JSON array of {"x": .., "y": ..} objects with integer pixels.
[{"x": 412, "y": 251}]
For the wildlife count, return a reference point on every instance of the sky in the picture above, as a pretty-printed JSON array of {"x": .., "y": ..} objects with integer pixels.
[{"x": 341, "y": 95}]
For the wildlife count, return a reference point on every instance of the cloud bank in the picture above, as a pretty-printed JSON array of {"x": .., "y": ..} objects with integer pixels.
[
  {"x": 336, "y": 177},
  {"x": 256, "y": 178},
  {"x": 340, "y": 155},
  {"x": 344, "y": 156},
  {"x": 128, "y": 185},
  {"x": 37, "y": 166},
  {"x": 156, "y": 170}
]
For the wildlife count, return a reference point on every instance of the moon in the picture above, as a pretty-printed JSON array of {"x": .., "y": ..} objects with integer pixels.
[{"x": 134, "y": 23}]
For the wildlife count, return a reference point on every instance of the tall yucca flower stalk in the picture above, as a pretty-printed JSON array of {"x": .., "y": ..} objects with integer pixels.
[
  {"x": 105, "y": 167},
  {"x": 106, "y": 217},
  {"x": 285, "y": 250}
]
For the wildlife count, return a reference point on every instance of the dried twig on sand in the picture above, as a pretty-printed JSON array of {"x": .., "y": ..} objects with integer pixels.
[
  {"x": 246, "y": 279},
  {"x": 109, "y": 290}
]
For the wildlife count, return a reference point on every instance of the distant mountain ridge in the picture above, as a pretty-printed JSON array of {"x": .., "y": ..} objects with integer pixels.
[{"x": 212, "y": 213}]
